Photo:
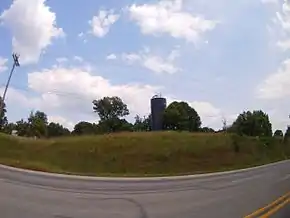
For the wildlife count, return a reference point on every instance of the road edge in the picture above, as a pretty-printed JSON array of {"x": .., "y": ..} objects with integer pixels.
[{"x": 95, "y": 178}]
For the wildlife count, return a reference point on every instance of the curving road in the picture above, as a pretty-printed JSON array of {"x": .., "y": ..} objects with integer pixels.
[{"x": 28, "y": 194}]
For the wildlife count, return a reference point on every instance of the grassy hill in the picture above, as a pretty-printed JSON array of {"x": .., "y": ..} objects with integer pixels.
[{"x": 141, "y": 154}]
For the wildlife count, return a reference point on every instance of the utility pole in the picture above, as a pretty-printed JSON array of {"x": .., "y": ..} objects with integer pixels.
[{"x": 15, "y": 64}]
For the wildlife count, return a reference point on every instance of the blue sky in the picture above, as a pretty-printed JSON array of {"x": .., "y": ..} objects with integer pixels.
[{"x": 222, "y": 56}]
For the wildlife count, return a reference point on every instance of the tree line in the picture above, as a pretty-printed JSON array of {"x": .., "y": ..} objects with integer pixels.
[{"x": 178, "y": 116}]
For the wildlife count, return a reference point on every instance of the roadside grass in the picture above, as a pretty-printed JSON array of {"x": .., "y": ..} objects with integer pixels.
[{"x": 141, "y": 153}]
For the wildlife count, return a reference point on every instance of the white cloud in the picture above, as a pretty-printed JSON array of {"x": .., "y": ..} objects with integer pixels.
[
  {"x": 81, "y": 34},
  {"x": 284, "y": 15},
  {"x": 3, "y": 64},
  {"x": 73, "y": 89},
  {"x": 284, "y": 45},
  {"x": 14, "y": 96},
  {"x": 277, "y": 84},
  {"x": 281, "y": 24},
  {"x": 33, "y": 26},
  {"x": 61, "y": 60},
  {"x": 158, "y": 65},
  {"x": 101, "y": 23},
  {"x": 168, "y": 16},
  {"x": 210, "y": 115},
  {"x": 205, "y": 109},
  {"x": 111, "y": 57},
  {"x": 66, "y": 95},
  {"x": 61, "y": 120},
  {"x": 78, "y": 58},
  {"x": 131, "y": 57},
  {"x": 152, "y": 62},
  {"x": 270, "y": 1}
]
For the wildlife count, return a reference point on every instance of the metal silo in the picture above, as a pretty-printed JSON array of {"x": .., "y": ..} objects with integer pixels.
[{"x": 158, "y": 105}]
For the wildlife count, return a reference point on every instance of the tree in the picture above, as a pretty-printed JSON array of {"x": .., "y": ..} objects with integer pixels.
[
  {"x": 110, "y": 108},
  {"x": 56, "y": 130},
  {"x": 180, "y": 116},
  {"x": 142, "y": 124},
  {"x": 3, "y": 118},
  {"x": 287, "y": 133},
  {"x": 23, "y": 129},
  {"x": 9, "y": 128},
  {"x": 278, "y": 133},
  {"x": 254, "y": 123},
  {"x": 114, "y": 125},
  {"x": 38, "y": 124},
  {"x": 84, "y": 128},
  {"x": 207, "y": 130}
]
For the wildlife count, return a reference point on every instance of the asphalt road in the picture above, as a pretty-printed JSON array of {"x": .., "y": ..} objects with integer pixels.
[{"x": 32, "y": 195}]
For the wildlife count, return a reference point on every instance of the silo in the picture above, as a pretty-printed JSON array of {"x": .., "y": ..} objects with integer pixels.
[{"x": 158, "y": 105}]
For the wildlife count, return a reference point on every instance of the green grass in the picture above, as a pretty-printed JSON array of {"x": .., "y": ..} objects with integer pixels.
[{"x": 141, "y": 154}]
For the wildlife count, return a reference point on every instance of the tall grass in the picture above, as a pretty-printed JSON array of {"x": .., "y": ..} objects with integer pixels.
[{"x": 141, "y": 153}]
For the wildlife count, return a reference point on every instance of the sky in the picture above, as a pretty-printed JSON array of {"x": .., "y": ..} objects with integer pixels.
[{"x": 222, "y": 57}]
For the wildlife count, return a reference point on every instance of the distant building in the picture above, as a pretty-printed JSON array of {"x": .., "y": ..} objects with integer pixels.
[
  {"x": 158, "y": 106},
  {"x": 14, "y": 133}
]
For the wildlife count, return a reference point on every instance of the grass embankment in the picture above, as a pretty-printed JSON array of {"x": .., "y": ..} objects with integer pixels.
[{"x": 141, "y": 154}]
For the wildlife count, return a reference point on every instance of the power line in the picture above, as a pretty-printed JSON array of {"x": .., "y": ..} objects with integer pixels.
[{"x": 82, "y": 97}]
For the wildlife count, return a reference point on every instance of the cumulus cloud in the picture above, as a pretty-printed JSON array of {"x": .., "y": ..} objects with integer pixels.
[
  {"x": 205, "y": 109},
  {"x": 152, "y": 62},
  {"x": 100, "y": 24},
  {"x": 61, "y": 120},
  {"x": 66, "y": 94},
  {"x": 15, "y": 96},
  {"x": 111, "y": 57},
  {"x": 3, "y": 64},
  {"x": 78, "y": 58},
  {"x": 33, "y": 26},
  {"x": 276, "y": 85},
  {"x": 210, "y": 115},
  {"x": 281, "y": 25},
  {"x": 169, "y": 17},
  {"x": 61, "y": 60},
  {"x": 82, "y": 36},
  {"x": 270, "y": 1},
  {"x": 73, "y": 89},
  {"x": 284, "y": 45}
]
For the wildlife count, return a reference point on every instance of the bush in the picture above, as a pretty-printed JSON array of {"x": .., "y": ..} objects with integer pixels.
[
  {"x": 278, "y": 133},
  {"x": 236, "y": 140}
]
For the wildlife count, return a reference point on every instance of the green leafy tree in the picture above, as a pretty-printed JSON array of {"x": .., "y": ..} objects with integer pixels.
[
  {"x": 38, "y": 124},
  {"x": 278, "y": 133},
  {"x": 254, "y": 123},
  {"x": 23, "y": 129},
  {"x": 3, "y": 118},
  {"x": 56, "y": 130},
  {"x": 110, "y": 111},
  {"x": 207, "y": 130},
  {"x": 142, "y": 124},
  {"x": 126, "y": 126},
  {"x": 114, "y": 125},
  {"x": 84, "y": 128},
  {"x": 287, "y": 133},
  {"x": 9, "y": 128},
  {"x": 110, "y": 107},
  {"x": 180, "y": 116}
]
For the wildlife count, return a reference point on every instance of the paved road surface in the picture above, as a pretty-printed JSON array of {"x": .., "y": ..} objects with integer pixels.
[{"x": 30, "y": 195}]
